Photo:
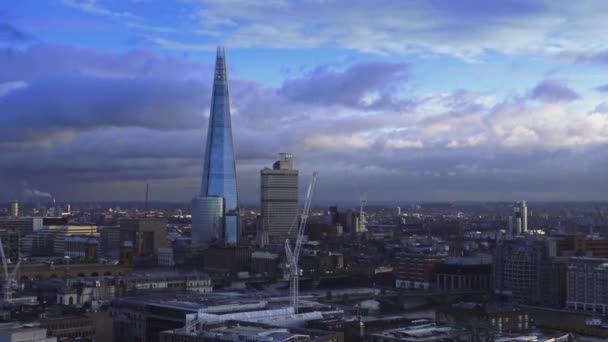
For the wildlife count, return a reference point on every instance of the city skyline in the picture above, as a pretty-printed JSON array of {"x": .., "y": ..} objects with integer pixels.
[{"x": 505, "y": 105}]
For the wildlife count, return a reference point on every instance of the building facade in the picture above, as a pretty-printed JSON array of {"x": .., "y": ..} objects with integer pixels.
[
  {"x": 464, "y": 274},
  {"x": 219, "y": 170},
  {"x": 279, "y": 200},
  {"x": 587, "y": 284},
  {"x": 527, "y": 271},
  {"x": 518, "y": 222},
  {"x": 416, "y": 269}
]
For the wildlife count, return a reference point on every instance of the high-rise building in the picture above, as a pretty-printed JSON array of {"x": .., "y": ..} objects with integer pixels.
[
  {"x": 219, "y": 170},
  {"x": 518, "y": 222},
  {"x": 528, "y": 271},
  {"x": 13, "y": 208},
  {"x": 279, "y": 200}
]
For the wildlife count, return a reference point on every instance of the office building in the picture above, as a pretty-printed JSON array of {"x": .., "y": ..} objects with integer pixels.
[
  {"x": 207, "y": 219},
  {"x": 81, "y": 247},
  {"x": 219, "y": 170},
  {"x": 148, "y": 234},
  {"x": 21, "y": 225},
  {"x": 50, "y": 240},
  {"x": 13, "y": 209},
  {"x": 527, "y": 271},
  {"x": 580, "y": 244},
  {"x": 587, "y": 284},
  {"x": 518, "y": 222},
  {"x": 472, "y": 273},
  {"x": 416, "y": 269},
  {"x": 279, "y": 201}
]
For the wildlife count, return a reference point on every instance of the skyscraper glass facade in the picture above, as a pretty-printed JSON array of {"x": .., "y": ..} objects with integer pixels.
[
  {"x": 215, "y": 211},
  {"x": 219, "y": 172}
]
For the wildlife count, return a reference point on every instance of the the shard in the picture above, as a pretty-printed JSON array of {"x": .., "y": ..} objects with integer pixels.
[{"x": 215, "y": 211}]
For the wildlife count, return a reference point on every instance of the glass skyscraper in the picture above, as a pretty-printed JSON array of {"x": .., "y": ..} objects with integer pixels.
[{"x": 219, "y": 170}]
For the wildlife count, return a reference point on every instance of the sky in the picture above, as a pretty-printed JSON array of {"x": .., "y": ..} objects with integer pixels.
[{"x": 464, "y": 100}]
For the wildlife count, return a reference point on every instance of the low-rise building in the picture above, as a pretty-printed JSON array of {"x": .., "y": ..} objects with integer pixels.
[
  {"x": 427, "y": 332},
  {"x": 246, "y": 331},
  {"x": 16, "y": 332},
  {"x": 487, "y": 320}
]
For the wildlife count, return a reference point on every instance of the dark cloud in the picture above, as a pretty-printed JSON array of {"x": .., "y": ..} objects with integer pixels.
[
  {"x": 75, "y": 103},
  {"x": 42, "y": 60},
  {"x": 553, "y": 91},
  {"x": 375, "y": 80},
  {"x": 602, "y": 88},
  {"x": 11, "y": 34},
  {"x": 101, "y": 125}
]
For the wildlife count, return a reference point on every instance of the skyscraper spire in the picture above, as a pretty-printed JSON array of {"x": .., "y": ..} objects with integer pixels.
[{"x": 218, "y": 185}]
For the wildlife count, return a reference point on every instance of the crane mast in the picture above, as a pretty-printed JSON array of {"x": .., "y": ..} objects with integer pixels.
[
  {"x": 292, "y": 256},
  {"x": 9, "y": 278}
]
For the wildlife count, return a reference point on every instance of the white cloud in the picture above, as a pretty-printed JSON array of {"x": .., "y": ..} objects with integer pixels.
[
  {"x": 91, "y": 6},
  {"x": 404, "y": 143},
  {"x": 8, "y": 87},
  {"x": 443, "y": 27}
]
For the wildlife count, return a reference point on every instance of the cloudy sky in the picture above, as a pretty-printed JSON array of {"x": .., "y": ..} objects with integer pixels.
[{"x": 405, "y": 100}]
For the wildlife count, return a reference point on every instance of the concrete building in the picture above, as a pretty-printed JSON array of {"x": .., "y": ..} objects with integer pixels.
[
  {"x": 70, "y": 327},
  {"x": 464, "y": 274},
  {"x": 148, "y": 235},
  {"x": 16, "y": 332},
  {"x": 527, "y": 271},
  {"x": 110, "y": 240},
  {"x": 518, "y": 222},
  {"x": 21, "y": 225},
  {"x": 248, "y": 331},
  {"x": 13, "y": 208},
  {"x": 487, "y": 320},
  {"x": 49, "y": 240},
  {"x": 279, "y": 200},
  {"x": 265, "y": 263},
  {"x": 425, "y": 331},
  {"x": 81, "y": 247},
  {"x": 416, "y": 269},
  {"x": 587, "y": 284},
  {"x": 144, "y": 318}
]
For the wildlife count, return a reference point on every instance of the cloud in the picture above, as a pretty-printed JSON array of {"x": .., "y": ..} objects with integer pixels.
[
  {"x": 40, "y": 60},
  {"x": 91, "y": 6},
  {"x": 553, "y": 91},
  {"x": 464, "y": 29},
  {"x": 9, "y": 33},
  {"x": 66, "y": 104},
  {"x": 104, "y": 124},
  {"x": 602, "y": 88},
  {"x": 365, "y": 85},
  {"x": 157, "y": 29}
]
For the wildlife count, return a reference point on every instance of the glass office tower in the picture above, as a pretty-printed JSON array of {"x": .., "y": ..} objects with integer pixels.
[{"x": 219, "y": 170}]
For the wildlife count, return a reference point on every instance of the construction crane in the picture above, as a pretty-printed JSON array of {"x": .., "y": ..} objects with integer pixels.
[
  {"x": 9, "y": 278},
  {"x": 292, "y": 256}
]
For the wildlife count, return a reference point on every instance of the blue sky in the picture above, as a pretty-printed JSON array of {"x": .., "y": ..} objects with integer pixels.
[{"x": 406, "y": 100}]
